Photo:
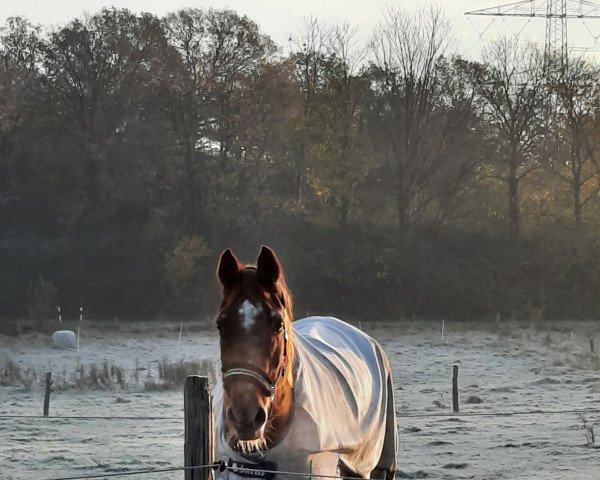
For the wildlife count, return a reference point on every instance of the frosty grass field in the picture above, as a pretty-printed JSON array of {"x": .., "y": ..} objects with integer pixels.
[{"x": 502, "y": 369}]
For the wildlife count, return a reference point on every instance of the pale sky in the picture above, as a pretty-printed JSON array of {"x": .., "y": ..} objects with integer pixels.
[{"x": 282, "y": 18}]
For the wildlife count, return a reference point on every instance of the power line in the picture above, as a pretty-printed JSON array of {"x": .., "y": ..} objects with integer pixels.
[{"x": 556, "y": 13}]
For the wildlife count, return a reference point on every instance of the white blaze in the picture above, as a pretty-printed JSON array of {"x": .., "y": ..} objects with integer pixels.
[{"x": 248, "y": 313}]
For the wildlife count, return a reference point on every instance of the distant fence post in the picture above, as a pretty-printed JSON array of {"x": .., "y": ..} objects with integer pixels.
[
  {"x": 455, "y": 389},
  {"x": 47, "y": 395},
  {"x": 199, "y": 429}
]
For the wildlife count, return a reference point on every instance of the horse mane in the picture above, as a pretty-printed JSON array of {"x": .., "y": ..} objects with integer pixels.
[{"x": 288, "y": 318}]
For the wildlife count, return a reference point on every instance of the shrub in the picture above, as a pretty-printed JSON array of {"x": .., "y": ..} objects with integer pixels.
[{"x": 183, "y": 268}]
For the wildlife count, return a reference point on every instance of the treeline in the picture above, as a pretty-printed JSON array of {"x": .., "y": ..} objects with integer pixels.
[{"x": 397, "y": 179}]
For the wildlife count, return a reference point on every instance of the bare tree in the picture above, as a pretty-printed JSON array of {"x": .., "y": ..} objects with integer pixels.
[
  {"x": 416, "y": 128},
  {"x": 576, "y": 139},
  {"x": 308, "y": 55},
  {"x": 337, "y": 159},
  {"x": 510, "y": 83}
]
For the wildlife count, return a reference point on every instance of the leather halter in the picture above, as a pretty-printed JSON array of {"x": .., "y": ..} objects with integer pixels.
[{"x": 259, "y": 375}]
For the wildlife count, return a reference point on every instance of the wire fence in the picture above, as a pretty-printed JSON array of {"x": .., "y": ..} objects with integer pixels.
[
  {"x": 138, "y": 472},
  {"x": 501, "y": 414},
  {"x": 90, "y": 417},
  {"x": 578, "y": 411}
]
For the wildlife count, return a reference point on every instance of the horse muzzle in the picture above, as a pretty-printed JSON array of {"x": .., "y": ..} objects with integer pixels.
[{"x": 248, "y": 423}]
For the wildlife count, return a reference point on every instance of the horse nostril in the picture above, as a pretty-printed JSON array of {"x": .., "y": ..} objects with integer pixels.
[
  {"x": 230, "y": 415},
  {"x": 261, "y": 417}
]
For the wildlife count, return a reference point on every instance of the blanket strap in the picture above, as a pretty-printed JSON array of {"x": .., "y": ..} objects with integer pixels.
[{"x": 247, "y": 470}]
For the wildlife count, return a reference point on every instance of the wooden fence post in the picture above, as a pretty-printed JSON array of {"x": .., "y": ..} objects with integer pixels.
[
  {"x": 455, "y": 389},
  {"x": 199, "y": 429},
  {"x": 47, "y": 395}
]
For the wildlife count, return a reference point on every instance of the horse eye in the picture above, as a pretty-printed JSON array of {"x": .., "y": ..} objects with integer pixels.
[
  {"x": 277, "y": 322},
  {"x": 219, "y": 325}
]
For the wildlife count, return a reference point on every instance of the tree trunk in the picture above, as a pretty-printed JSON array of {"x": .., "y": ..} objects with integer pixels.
[
  {"x": 577, "y": 206},
  {"x": 193, "y": 218},
  {"x": 513, "y": 200},
  {"x": 403, "y": 203}
]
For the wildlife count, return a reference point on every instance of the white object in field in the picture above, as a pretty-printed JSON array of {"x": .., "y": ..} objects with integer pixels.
[{"x": 64, "y": 339}]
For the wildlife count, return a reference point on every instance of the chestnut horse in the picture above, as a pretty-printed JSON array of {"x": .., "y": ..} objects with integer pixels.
[{"x": 314, "y": 397}]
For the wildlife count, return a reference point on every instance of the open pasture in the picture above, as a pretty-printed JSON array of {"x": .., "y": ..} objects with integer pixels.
[{"x": 502, "y": 368}]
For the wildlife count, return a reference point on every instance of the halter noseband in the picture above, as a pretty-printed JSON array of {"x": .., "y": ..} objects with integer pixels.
[{"x": 257, "y": 374}]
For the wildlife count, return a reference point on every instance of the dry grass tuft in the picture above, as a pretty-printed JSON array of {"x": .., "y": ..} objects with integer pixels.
[{"x": 108, "y": 376}]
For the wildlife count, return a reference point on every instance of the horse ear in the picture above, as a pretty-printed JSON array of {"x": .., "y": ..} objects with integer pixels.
[
  {"x": 229, "y": 269},
  {"x": 268, "y": 268}
]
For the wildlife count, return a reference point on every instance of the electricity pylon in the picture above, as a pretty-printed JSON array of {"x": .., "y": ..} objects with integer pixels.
[{"x": 556, "y": 13}]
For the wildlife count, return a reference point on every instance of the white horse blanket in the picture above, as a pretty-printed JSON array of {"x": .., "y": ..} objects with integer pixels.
[{"x": 343, "y": 406}]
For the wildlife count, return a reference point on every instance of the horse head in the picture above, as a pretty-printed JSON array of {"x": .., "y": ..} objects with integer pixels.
[{"x": 254, "y": 323}]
